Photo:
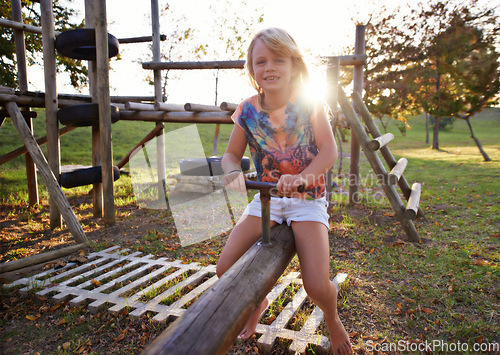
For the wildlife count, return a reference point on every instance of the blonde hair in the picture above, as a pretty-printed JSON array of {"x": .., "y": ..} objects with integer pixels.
[{"x": 281, "y": 43}]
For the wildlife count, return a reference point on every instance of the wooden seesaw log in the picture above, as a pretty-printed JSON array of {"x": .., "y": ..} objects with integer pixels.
[{"x": 212, "y": 323}]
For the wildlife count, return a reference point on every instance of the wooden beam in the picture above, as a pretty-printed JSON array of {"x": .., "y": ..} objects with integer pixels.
[
  {"x": 139, "y": 106},
  {"x": 357, "y": 79},
  {"x": 22, "y": 77},
  {"x": 51, "y": 105},
  {"x": 346, "y": 60},
  {"x": 412, "y": 205},
  {"x": 378, "y": 168},
  {"x": 183, "y": 117},
  {"x": 201, "y": 108},
  {"x": 227, "y": 106},
  {"x": 162, "y": 106},
  {"x": 104, "y": 101},
  {"x": 397, "y": 171},
  {"x": 40, "y": 258},
  {"x": 139, "y": 39},
  {"x": 378, "y": 142},
  {"x": 21, "y": 26},
  {"x": 227, "y": 64},
  {"x": 385, "y": 151},
  {"x": 212, "y": 323},
  {"x": 46, "y": 173}
]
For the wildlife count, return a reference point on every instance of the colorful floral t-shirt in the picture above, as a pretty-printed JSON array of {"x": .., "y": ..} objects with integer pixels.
[{"x": 280, "y": 150}]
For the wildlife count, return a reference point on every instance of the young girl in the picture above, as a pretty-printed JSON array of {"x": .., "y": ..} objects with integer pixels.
[{"x": 291, "y": 143}]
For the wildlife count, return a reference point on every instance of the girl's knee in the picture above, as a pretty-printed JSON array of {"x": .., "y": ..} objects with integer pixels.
[
  {"x": 320, "y": 291},
  {"x": 220, "y": 268}
]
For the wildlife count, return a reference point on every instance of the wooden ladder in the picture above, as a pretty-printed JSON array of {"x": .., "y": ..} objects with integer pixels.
[{"x": 395, "y": 176}]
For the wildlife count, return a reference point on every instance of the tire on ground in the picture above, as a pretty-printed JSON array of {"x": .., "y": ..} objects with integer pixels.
[
  {"x": 86, "y": 176},
  {"x": 84, "y": 115},
  {"x": 80, "y": 44}
]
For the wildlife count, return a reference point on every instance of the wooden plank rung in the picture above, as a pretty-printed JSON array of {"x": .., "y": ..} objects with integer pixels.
[
  {"x": 397, "y": 171},
  {"x": 413, "y": 202},
  {"x": 379, "y": 142}
]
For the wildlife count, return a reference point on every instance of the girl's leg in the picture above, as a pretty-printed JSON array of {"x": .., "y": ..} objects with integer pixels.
[
  {"x": 311, "y": 242},
  {"x": 246, "y": 233}
]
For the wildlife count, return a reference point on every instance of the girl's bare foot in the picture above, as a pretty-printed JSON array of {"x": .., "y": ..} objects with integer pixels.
[
  {"x": 338, "y": 336},
  {"x": 249, "y": 328}
]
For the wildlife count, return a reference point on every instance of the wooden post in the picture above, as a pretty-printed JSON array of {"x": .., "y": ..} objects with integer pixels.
[
  {"x": 385, "y": 151},
  {"x": 22, "y": 78},
  {"x": 378, "y": 167},
  {"x": 97, "y": 197},
  {"x": 332, "y": 78},
  {"x": 102, "y": 68},
  {"x": 160, "y": 139},
  {"x": 40, "y": 258},
  {"x": 212, "y": 323},
  {"x": 46, "y": 173},
  {"x": 51, "y": 105},
  {"x": 359, "y": 49}
]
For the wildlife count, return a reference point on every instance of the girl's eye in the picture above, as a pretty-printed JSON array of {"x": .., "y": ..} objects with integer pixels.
[{"x": 280, "y": 60}]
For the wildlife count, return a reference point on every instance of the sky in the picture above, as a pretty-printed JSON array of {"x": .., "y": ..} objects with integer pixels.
[{"x": 321, "y": 28}]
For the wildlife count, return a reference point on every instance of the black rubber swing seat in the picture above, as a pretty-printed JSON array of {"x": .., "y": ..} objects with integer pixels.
[
  {"x": 86, "y": 176},
  {"x": 84, "y": 115},
  {"x": 208, "y": 166},
  {"x": 80, "y": 44}
]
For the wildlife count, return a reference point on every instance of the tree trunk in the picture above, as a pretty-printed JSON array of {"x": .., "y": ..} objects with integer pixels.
[
  {"x": 427, "y": 128},
  {"x": 478, "y": 143},
  {"x": 435, "y": 136}
]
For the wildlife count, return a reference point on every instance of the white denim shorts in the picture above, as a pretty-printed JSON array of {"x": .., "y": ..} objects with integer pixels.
[{"x": 292, "y": 209}]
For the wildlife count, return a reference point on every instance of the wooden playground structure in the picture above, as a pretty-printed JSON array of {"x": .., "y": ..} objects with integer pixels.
[{"x": 153, "y": 109}]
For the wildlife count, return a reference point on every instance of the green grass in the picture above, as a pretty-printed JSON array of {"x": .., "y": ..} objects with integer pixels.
[{"x": 445, "y": 288}]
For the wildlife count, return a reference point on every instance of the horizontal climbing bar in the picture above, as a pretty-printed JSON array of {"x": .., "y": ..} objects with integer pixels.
[
  {"x": 162, "y": 106},
  {"x": 226, "y": 106},
  {"x": 413, "y": 202},
  {"x": 358, "y": 59},
  {"x": 201, "y": 108},
  {"x": 397, "y": 171},
  {"x": 139, "y": 39},
  {"x": 213, "y": 322},
  {"x": 379, "y": 142},
  {"x": 186, "y": 117},
  {"x": 21, "y": 26},
  {"x": 225, "y": 64},
  {"x": 139, "y": 106}
]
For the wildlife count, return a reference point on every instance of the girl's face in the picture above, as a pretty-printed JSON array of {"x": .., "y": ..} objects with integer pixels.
[{"x": 272, "y": 72}]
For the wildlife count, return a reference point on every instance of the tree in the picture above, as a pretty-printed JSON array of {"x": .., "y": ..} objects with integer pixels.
[
  {"x": 31, "y": 15},
  {"x": 441, "y": 60}
]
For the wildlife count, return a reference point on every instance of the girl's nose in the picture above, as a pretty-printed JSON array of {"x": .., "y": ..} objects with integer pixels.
[{"x": 270, "y": 67}]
